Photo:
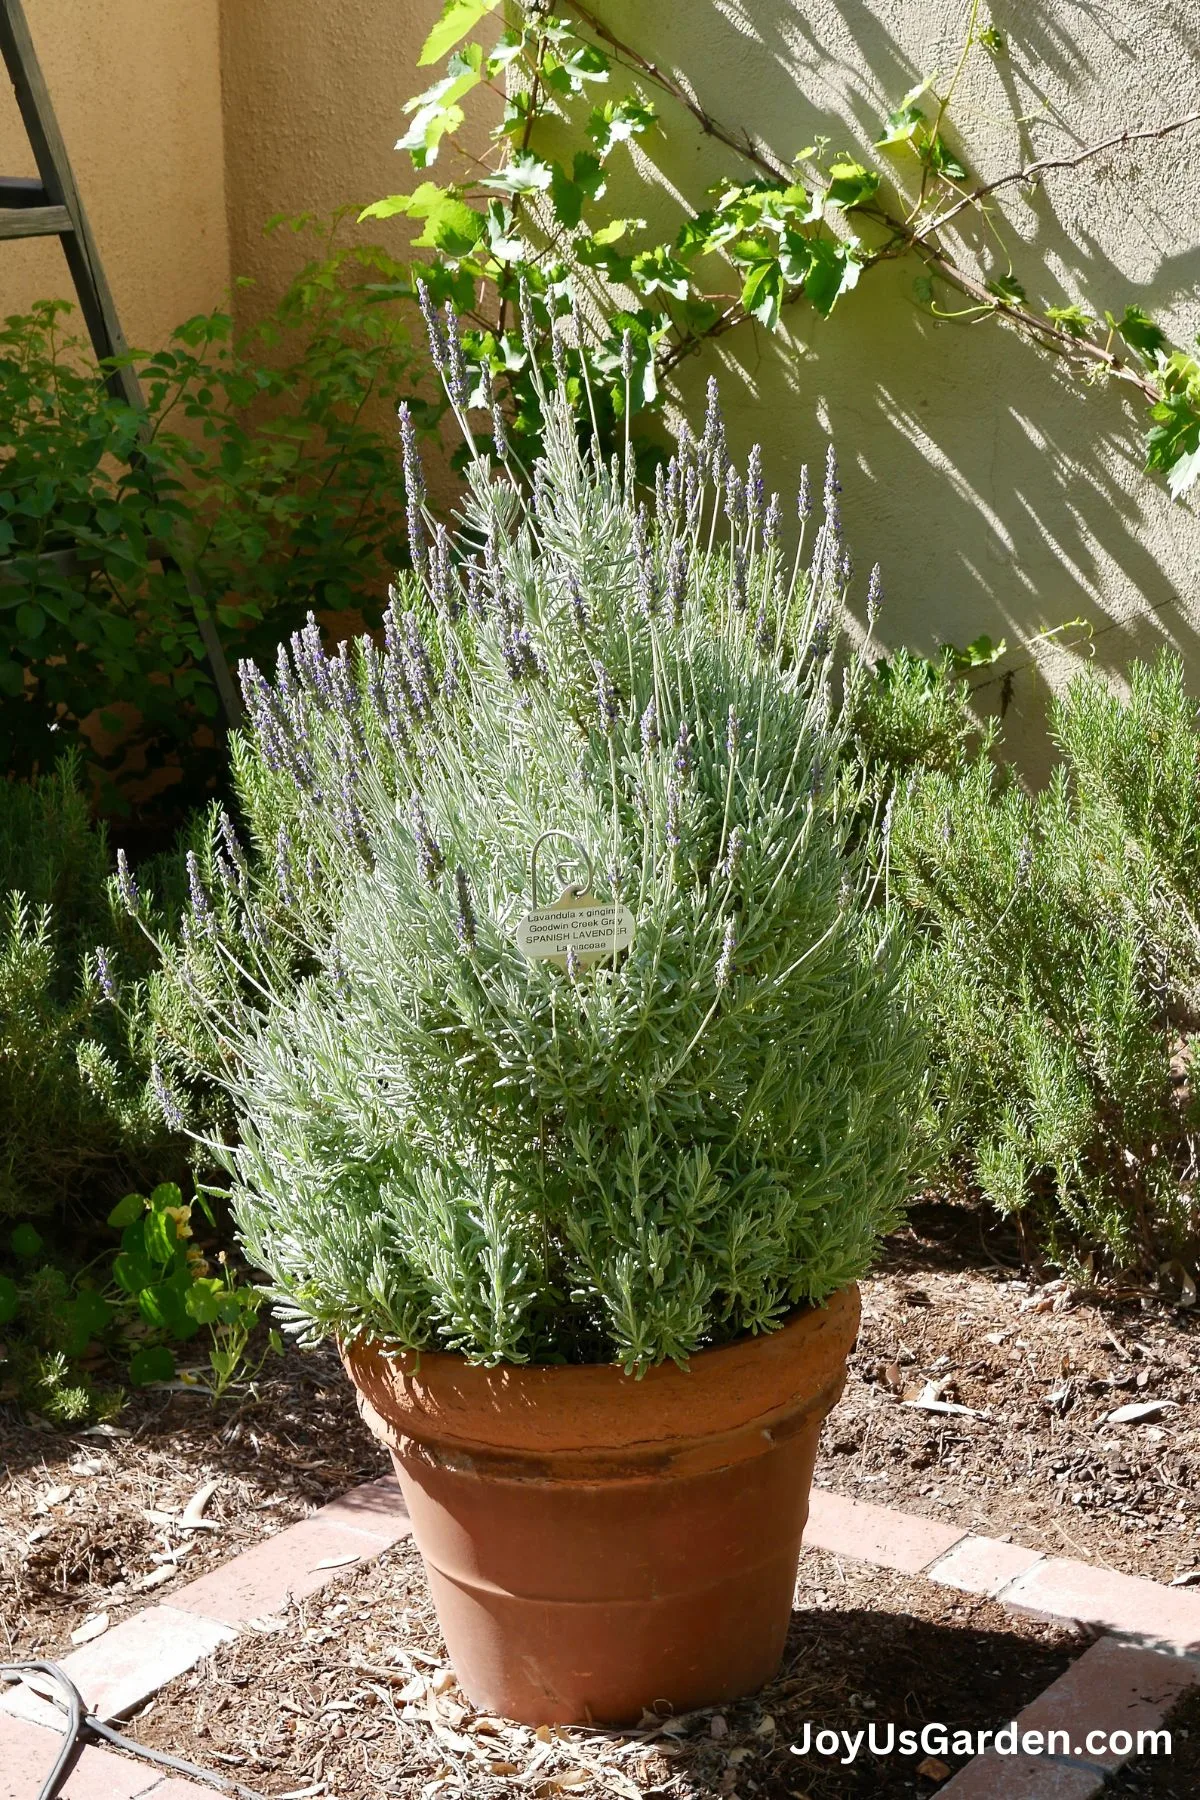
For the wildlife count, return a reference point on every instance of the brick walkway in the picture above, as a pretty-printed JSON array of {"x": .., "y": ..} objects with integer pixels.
[{"x": 1128, "y": 1680}]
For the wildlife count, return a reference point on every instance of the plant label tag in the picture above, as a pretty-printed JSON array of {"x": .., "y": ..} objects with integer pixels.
[{"x": 593, "y": 930}]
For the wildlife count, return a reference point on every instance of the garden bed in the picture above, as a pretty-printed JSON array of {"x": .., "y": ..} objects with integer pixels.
[
  {"x": 1047, "y": 1472},
  {"x": 349, "y": 1695}
]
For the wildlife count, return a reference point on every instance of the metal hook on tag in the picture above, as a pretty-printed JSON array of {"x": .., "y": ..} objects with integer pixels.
[{"x": 579, "y": 850}]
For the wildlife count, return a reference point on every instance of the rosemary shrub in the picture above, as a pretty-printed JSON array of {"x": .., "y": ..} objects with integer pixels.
[
  {"x": 1055, "y": 960},
  {"x": 445, "y": 1145}
]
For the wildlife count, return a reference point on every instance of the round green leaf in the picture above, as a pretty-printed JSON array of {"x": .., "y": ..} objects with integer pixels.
[
  {"x": 154, "y": 1364},
  {"x": 126, "y": 1211},
  {"x": 26, "y": 1243}
]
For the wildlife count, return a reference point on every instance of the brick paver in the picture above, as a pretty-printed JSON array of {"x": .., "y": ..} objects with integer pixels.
[
  {"x": 876, "y": 1534},
  {"x": 982, "y": 1565},
  {"x": 1113, "y": 1687},
  {"x": 1059, "y": 1588},
  {"x": 27, "y": 1755}
]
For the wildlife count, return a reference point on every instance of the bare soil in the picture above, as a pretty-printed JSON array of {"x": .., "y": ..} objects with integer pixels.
[{"x": 349, "y": 1695}]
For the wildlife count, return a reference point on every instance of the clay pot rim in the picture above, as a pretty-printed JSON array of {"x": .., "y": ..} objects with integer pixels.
[
  {"x": 756, "y": 1384},
  {"x": 418, "y": 1362}
]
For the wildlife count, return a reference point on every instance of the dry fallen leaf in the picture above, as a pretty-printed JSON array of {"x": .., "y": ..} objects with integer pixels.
[
  {"x": 1139, "y": 1411},
  {"x": 337, "y": 1562},
  {"x": 193, "y": 1512},
  {"x": 92, "y": 1627},
  {"x": 166, "y": 1572},
  {"x": 932, "y": 1769},
  {"x": 1189, "y": 1578},
  {"x": 55, "y": 1496}
]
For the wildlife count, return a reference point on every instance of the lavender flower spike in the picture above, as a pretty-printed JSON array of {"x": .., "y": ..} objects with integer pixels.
[
  {"x": 433, "y": 325},
  {"x": 168, "y": 1105},
  {"x": 465, "y": 923},
  {"x": 108, "y": 986},
  {"x": 804, "y": 497},
  {"x": 725, "y": 960},
  {"x": 874, "y": 595},
  {"x": 127, "y": 887}
]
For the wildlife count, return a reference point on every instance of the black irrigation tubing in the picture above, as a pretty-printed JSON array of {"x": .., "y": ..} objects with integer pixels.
[{"x": 82, "y": 1725}]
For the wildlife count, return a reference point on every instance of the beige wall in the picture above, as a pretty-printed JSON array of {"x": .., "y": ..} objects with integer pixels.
[
  {"x": 136, "y": 87},
  {"x": 313, "y": 96},
  {"x": 999, "y": 494}
]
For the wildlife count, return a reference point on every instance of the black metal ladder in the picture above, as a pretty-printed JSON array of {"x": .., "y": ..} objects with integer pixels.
[{"x": 49, "y": 206}]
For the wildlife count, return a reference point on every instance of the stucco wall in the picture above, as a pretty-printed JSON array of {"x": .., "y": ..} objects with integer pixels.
[
  {"x": 313, "y": 91},
  {"x": 999, "y": 494},
  {"x": 136, "y": 87}
]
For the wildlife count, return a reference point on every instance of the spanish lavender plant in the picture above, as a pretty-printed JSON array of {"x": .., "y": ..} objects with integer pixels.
[{"x": 444, "y": 1144}]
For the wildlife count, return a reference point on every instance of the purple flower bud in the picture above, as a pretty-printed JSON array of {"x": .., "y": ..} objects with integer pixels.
[
  {"x": 833, "y": 485},
  {"x": 773, "y": 525},
  {"x": 607, "y": 704},
  {"x": 457, "y": 384},
  {"x": 433, "y": 325},
  {"x": 733, "y": 733},
  {"x": 764, "y": 637},
  {"x": 738, "y": 588},
  {"x": 499, "y": 426},
  {"x": 529, "y": 334},
  {"x": 414, "y": 488},
  {"x": 649, "y": 726},
  {"x": 558, "y": 353},
  {"x": 714, "y": 452},
  {"x": 168, "y": 1105},
  {"x": 733, "y": 853},
  {"x": 196, "y": 893},
  {"x": 627, "y": 357},
  {"x": 725, "y": 960},
  {"x": 430, "y": 860},
  {"x": 283, "y": 868},
  {"x": 681, "y": 762},
  {"x": 677, "y": 579},
  {"x": 804, "y": 497},
  {"x": 108, "y": 986},
  {"x": 874, "y": 595},
  {"x": 127, "y": 887},
  {"x": 673, "y": 804},
  {"x": 465, "y": 924},
  {"x": 735, "y": 499},
  {"x": 754, "y": 484}
]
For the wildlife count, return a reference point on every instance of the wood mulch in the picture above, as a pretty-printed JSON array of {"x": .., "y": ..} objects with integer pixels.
[
  {"x": 90, "y": 1521},
  {"x": 349, "y": 1696},
  {"x": 1040, "y": 1366}
]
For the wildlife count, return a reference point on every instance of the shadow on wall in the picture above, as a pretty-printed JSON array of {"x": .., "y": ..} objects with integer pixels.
[{"x": 1000, "y": 493}]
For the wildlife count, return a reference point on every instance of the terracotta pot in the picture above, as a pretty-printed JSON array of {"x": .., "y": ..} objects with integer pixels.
[{"x": 596, "y": 1544}]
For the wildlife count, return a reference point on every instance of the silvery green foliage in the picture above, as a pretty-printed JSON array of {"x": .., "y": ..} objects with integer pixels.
[{"x": 443, "y": 1144}]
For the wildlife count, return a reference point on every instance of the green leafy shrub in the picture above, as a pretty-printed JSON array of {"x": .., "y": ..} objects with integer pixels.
[
  {"x": 264, "y": 468},
  {"x": 78, "y": 1120},
  {"x": 74, "y": 1333},
  {"x": 1056, "y": 957},
  {"x": 444, "y": 1143}
]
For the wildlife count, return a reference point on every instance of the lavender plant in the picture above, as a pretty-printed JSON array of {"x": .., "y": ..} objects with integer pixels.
[{"x": 443, "y": 1144}]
